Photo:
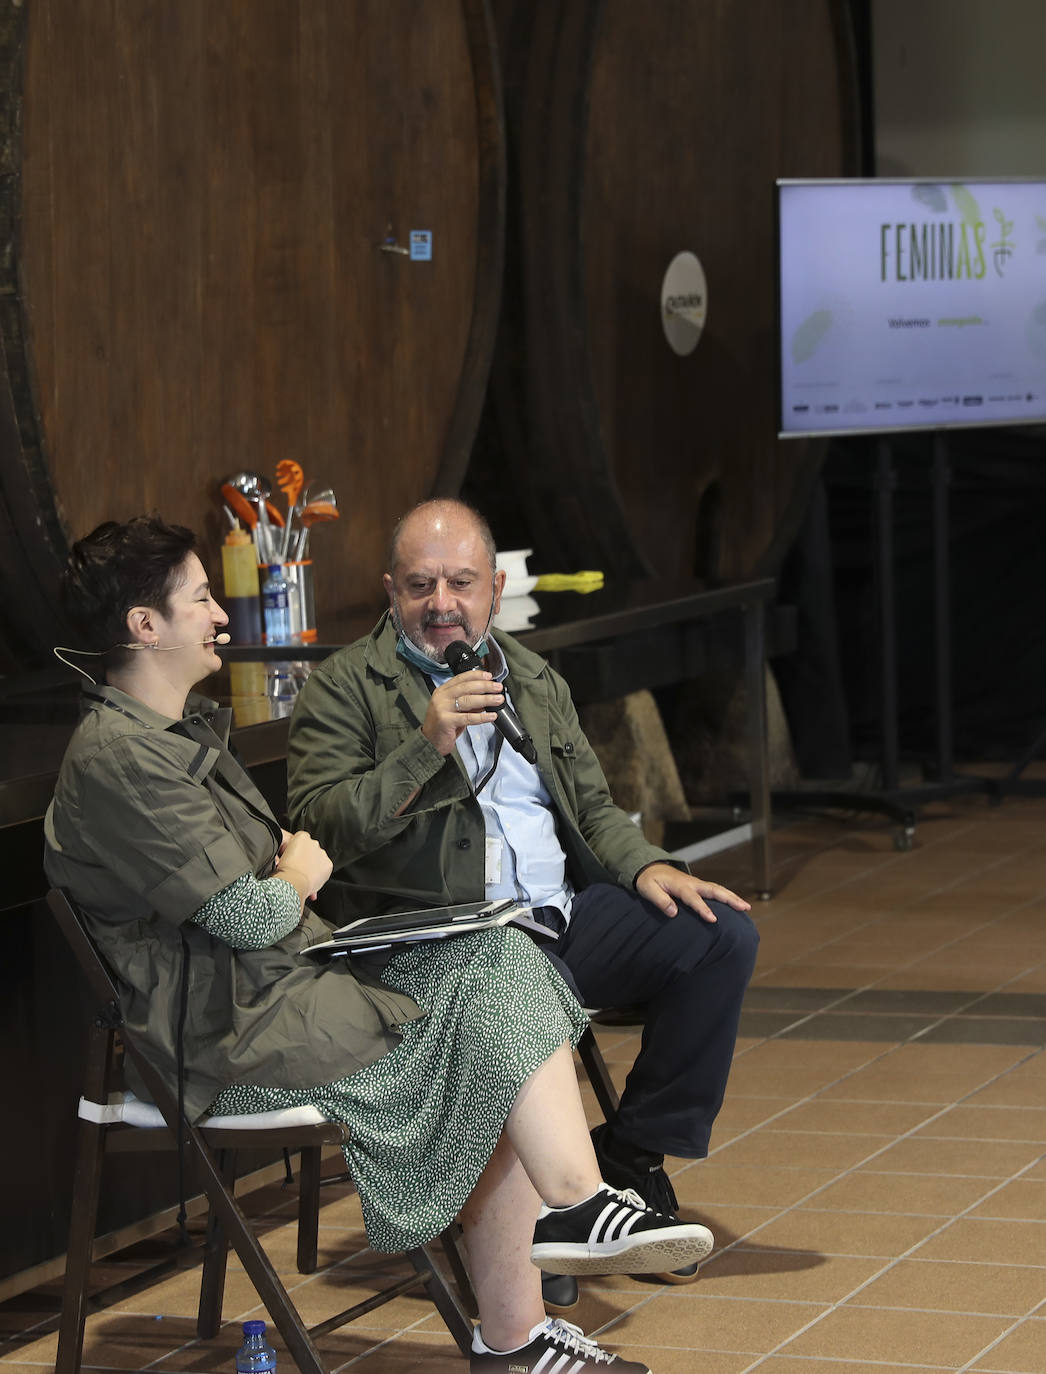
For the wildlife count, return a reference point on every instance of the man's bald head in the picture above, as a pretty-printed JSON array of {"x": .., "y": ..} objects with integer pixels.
[{"x": 442, "y": 515}]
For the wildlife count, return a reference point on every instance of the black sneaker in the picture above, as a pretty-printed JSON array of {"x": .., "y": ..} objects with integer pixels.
[
  {"x": 557, "y": 1346},
  {"x": 645, "y": 1174},
  {"x": 614, "y": 1232},
  {"x": 559, "y": 1291}
]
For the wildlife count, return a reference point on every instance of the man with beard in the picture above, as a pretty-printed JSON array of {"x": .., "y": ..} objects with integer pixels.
[{"x": 395, "y": 766}]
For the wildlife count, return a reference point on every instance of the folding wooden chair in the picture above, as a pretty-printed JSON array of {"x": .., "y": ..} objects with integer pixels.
[
  {"x": 107, "y": 1124},
  {"x": 595, "y": 1067}
]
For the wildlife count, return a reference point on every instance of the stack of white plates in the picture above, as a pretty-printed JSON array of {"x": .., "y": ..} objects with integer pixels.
[
  {"x": 518, "y": 582},
  {"x": 517, "y": 607}
]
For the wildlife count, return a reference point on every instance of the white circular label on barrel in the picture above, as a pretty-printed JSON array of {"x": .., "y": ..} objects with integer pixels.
[{"x": 684, "y": 303}]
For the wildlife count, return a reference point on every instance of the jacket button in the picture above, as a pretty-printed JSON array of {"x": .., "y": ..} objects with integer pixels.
[{"x": 464, "y": 844}]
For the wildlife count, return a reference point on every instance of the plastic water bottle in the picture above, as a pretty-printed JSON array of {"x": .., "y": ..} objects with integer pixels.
[
  {"x": 276, "y": 606},
  {"x": 255, "y": 1354}
]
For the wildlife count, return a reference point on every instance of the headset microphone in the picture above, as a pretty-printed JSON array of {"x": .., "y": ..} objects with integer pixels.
[
  {"x": 61, "y": 650},
  {"x": 168, "y": 648}
]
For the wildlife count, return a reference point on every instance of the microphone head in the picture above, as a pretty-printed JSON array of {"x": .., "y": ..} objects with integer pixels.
[
  {"x": 222, "y": 639},
  {"x": 461, "y": 657}
]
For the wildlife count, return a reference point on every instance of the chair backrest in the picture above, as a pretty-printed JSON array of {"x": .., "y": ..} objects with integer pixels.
[
  {"x": 103, "y": 985},
  {"x": 91, "y": 962}
]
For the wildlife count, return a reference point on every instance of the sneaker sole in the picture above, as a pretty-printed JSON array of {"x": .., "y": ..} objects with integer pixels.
[{"x": 650, "y": 1254}]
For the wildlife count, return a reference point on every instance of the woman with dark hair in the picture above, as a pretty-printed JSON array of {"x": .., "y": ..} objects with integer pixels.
[{"x": 451, "y": 1063}]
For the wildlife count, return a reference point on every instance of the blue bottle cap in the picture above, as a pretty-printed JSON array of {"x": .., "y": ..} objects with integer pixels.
[{"x": 254, "y": 1328}]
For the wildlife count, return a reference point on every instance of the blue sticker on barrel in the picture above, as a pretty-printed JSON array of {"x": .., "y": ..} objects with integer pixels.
[{"x": 421, "y": 245}]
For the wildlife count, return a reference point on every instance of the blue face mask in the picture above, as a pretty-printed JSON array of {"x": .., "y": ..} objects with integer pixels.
[{"x": 409, "y": 651}]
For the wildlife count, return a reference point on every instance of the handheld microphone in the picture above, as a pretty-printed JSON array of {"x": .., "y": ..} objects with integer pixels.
[{"x": 461, "y": 658}]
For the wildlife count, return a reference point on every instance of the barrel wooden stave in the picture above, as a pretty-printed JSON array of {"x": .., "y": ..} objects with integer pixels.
[
  {"x": 640, "y": 131},
  {"x": 200, "y": 280}
]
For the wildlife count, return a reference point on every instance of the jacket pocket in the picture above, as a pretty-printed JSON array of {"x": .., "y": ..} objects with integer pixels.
[
  {"x": 388, "y": 738},
  {"x": 564, "y": 763}
]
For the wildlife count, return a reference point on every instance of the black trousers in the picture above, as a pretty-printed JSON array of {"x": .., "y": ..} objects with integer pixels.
[{"x": 689, "y": 977}]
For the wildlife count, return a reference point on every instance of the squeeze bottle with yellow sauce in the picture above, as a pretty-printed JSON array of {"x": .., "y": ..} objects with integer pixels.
[{"x": 240, "y": 573}]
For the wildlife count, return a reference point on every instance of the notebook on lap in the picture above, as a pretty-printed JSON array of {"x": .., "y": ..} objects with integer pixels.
[{"x": 429, "y": 923}]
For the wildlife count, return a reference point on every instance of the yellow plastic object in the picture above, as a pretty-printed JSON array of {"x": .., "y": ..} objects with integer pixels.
[
  {"x": 239, "y": 564},
  {"x": 569, "y": 582},
  {"x": 241, "y": 600}
]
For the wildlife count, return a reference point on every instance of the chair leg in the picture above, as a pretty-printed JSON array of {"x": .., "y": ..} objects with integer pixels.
[
  {"x": 598, "y": 1074},
  {"x": 216, "y": 1258},
  {"x": 87, "y": 1180},
  {"x": 309, "y": 1208},
  {"x": 445, "y": 1299},
  {"x": 259, "y": 1268}
]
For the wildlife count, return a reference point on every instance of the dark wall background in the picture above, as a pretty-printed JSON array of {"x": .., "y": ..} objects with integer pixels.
[
  {"x": 998, "y": 491},
  {"x": 998, "y": 573}
]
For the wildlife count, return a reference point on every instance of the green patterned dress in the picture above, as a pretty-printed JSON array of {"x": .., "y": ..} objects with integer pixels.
[{"x": 425, "y": 1117}]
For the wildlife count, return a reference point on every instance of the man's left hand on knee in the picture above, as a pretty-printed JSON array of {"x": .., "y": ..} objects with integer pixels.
[{"x": 664, "y": 886}]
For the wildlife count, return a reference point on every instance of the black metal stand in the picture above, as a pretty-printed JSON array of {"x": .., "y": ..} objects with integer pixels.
[
  {"x": 1013, "y": 784},
  {"x": 895, "y": 802}
]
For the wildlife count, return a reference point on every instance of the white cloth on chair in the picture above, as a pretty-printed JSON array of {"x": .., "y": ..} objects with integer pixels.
[{"x": 124, "y": 1109}]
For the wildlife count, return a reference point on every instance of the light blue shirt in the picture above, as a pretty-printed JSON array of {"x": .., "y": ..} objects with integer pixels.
[{"x": 524, "y": 858}]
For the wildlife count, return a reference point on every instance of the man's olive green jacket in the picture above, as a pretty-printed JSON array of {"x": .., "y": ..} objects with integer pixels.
[{"x": 356, "y": 753}]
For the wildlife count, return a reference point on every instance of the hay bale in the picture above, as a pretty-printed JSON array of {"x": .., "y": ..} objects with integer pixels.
[
  {"x": 629, "y": 739},
  {"x": 709, "y": 734}
]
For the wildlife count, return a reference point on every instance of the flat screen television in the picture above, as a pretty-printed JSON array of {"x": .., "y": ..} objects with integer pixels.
[{"x": 911, "y": 304}]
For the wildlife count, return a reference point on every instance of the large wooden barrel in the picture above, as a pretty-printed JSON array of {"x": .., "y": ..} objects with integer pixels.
[
  {"x": 193, "y": 277},
  {"x": 639, "y": 131}
]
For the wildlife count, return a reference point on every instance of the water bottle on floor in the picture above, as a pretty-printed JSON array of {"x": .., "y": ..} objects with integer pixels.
[{"x": 255, "y": 1355}]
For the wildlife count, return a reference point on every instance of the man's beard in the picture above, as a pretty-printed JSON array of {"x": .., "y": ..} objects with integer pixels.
[{"x": 437, "y": 652}]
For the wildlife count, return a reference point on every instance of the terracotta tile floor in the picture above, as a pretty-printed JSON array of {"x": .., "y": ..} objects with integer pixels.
[{"x": 877, "y": 1182}]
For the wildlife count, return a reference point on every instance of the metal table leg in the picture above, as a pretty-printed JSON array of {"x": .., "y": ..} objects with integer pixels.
[{"x": 758, "y": 750}]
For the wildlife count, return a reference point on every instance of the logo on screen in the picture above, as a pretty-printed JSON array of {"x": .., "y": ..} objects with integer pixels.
[
  {"x": 945, "y": 249},
  {"x": 929, "y": 251},
  {"x": 1002, "y": 251}
]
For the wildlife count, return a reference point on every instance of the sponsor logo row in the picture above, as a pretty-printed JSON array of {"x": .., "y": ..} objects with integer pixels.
[{"x": 855, "y": 406}]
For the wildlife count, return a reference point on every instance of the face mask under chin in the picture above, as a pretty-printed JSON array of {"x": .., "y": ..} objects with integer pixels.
[{"x": 408, "y": 650}]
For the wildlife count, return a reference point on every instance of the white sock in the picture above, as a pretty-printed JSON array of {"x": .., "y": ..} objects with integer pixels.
[
  {"x": 566, "y": 1208},
  {"x": 485, "y": 1349}
]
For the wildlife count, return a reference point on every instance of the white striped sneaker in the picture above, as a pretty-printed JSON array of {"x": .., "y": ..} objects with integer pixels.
[
  {"x": 556, "y": 1347},
  {"x": 615, "y": 1232}
]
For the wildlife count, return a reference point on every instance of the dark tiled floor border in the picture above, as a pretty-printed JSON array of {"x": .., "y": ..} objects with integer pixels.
[{"x": 959, "y": 1017}]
